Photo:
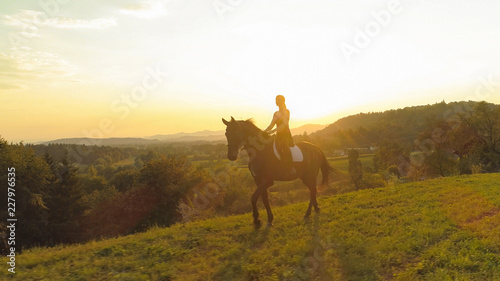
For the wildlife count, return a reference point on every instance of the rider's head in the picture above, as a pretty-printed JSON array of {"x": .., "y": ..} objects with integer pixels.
[{"x": 280, "y": 100}]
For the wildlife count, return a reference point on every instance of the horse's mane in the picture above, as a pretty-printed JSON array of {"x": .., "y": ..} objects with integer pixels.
[{"x": 249, "y": 126}]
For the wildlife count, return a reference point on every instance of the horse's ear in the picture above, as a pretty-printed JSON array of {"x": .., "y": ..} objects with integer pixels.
[
  {"x": 225, "y": 122},
  {"x": 232, "y": 119}
]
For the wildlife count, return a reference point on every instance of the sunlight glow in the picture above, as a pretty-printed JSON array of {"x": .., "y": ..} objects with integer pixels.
[{"x": 78, "y": 61}]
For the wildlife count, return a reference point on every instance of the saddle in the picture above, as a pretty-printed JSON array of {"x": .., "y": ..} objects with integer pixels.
[{"x": 297, "y": 155}]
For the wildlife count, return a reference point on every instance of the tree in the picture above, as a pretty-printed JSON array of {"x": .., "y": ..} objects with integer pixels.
[
  {"x": 32, "y": 176},
  {"x": 484, "y": 124},
  {"x": 392, "y": 154},
  {"x": 88, "y": 183},
  {"x": 153, "y": 200},
  {"x": 170, "y": 179},
  {"x": 65, "y": 202},
  {"x": 439, "y": 157},
  {"x": 124, "y": 179},
  {"x": 355, "y": 167}
]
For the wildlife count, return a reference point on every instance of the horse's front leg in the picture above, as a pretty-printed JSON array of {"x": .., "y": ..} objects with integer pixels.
[
  {"x": 262, "y": 185},
  {"x": 255, "y": 197}
]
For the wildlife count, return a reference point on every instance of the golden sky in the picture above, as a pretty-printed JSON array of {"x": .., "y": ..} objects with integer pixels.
[{"x": 138, "y": 68}]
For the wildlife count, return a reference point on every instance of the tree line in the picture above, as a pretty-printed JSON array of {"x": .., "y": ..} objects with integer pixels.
[
  {"x": 59, "y": 200},
  {"x": 456, "y": 142}
]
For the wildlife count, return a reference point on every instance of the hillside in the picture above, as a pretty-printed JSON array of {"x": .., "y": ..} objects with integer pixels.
[
  {"x": 447, "y": 228},
  {"x": 196, "y": 136},
  {"x": 207, "y": 135},
  {"x": 401, "y": 125},
  {"x": 309, "y": 128}
]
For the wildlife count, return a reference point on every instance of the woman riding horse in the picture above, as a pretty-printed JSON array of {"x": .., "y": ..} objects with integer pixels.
[
  {"x": 284, "y": 138},
  {"x": 265, "y": 168}
]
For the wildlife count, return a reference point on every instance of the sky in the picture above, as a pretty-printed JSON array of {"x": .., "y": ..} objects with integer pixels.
[{"x": 137, "y": 68}]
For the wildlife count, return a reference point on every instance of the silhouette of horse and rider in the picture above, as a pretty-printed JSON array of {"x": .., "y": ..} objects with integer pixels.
[{"x": 271, "y": 157}]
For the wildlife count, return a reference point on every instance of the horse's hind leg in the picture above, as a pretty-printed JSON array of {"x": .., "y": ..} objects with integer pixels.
[
  {"x": 315, "y": 202},
  {"x": 312, "y": 198},
  {"x": 270, "y": 215}
]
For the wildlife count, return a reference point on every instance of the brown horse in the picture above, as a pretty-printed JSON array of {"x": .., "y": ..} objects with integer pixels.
[{"x": 266, "y": 168}]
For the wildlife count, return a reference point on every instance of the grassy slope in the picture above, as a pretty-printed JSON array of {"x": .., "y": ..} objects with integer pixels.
[{"x": 439, "y": 229}]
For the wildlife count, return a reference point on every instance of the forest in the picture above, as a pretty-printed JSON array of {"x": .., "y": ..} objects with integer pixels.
[{"x": 77, "y": 193}]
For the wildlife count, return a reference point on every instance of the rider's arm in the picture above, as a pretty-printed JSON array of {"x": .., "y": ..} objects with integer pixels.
[
  {"x": 273, "y": 122},
  {"x": 272, "y": 131}
]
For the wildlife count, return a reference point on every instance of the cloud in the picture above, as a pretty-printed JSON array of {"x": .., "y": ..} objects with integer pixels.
[
  {"x": 100, "y": 23},
  {"x": 31, "y": 20},
  {"x": 24, "y": 17},
  {"x": 42, "y": 64},
  {"x": 9, "y": 86},
  {"x": 146, "y": 9},
  {"x": 22, "y": 67},
  {"x": 10, "y": 74},
  {"x": 9, "y": 67}
]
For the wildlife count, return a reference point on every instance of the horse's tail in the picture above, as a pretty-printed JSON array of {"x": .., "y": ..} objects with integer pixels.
[{"x": 325, "y": 170}]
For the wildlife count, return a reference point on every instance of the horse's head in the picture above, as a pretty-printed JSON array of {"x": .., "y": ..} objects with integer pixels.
[{"x": 235, "y": 138}]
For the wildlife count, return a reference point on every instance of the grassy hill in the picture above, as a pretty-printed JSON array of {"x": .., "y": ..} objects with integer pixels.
[
  {"x": 442, "y": 229},
  {"x": 401, "y": 125}
]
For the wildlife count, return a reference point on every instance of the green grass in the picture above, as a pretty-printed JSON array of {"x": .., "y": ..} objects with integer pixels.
[
  {"x": 341, "y": 163},
  {"x": 442, "y": 229}
]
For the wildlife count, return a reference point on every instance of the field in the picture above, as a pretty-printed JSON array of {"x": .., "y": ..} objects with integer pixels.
[
  {"x": 441, "y": 229},
  {"x": 341, "y": 163},
  {"x": 128, "y": 161}
]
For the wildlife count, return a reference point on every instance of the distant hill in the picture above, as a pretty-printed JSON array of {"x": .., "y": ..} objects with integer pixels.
[
  {"x": 103, "y": 141},
  {"x": 441, "y": 229},
  {"x": 205, "y": 135},
  {"x": 208, "y": 135},
  {"x": 309, "y": 128},
  {"x": 401, "y": 125}
]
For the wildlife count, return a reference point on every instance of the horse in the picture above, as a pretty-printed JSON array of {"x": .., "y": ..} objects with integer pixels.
[{"x": 266, "y": 168}]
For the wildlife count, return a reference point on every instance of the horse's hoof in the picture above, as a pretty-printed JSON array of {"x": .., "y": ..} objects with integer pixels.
[
  {"x": 269, "y": 224},
  {"x": 257, "y": 224},
  {"x": 318, "y": 210}
]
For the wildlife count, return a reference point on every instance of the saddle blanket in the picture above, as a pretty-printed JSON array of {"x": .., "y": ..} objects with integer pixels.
[{"x": 297, "y": 155}]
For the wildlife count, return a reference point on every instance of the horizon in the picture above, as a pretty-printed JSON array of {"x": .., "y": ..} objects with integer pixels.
[
  {"x": 140, "y": 68},
  {"x": 150, "y": 137}
]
